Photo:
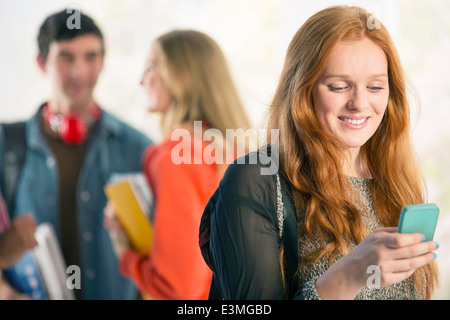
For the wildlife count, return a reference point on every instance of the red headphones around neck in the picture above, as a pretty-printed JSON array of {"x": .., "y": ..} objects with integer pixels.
[{"x": 71, "y": 129}]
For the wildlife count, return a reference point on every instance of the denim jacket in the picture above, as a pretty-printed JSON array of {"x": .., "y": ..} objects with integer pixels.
[{"x": 115, "y": 147}]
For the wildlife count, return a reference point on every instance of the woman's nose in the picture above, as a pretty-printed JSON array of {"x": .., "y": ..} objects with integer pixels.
[{"x": 358, "y": 100}]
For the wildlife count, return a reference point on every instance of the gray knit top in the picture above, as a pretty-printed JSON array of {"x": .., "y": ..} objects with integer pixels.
[{"x": 398, "y": 291}]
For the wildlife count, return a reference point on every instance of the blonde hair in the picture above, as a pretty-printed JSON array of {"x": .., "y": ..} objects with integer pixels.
[
  {"x": 196, "y": 71},
  {"x": 311, "y": 158}
]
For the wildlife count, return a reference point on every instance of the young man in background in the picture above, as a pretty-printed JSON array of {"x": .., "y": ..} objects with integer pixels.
[{"x": 73, "y": 146}]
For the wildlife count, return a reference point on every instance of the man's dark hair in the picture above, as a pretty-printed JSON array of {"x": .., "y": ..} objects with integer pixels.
[{"x": 55, "y": 28}]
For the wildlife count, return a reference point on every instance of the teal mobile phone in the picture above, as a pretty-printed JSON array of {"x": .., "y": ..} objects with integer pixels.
[{"x": 419, "y": 218}]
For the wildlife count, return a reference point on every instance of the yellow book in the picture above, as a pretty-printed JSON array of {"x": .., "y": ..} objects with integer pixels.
[{"x": 132, "y": 200}]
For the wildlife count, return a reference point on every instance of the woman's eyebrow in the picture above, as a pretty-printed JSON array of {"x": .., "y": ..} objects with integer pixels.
[
  {"x": 347, "y": 76},
  {"x": 380, "y": 75}
]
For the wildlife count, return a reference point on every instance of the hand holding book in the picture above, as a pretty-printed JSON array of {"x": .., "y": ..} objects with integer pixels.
[
  {"x": 32, "y": 259},
  {"x": 119, "y": 238},
  {"x": 41, "y": 271},
  {"x": 127, "y": 216},
  {"x": 130, "y": 204},
  {"x": 17, "y": 238}
]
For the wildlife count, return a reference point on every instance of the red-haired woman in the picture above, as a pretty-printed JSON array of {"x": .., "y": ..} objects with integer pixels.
[{"x": 324, "y": 225}]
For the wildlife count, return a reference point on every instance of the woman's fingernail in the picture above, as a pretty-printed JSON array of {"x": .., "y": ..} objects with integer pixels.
[
  {"x": 434, "y": 255},
  {"x": 437, "y": 245},
  {"x": 422, "y": 238}
]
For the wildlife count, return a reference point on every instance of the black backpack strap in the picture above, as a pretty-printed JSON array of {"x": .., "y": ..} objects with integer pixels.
[{"x": 13, "y": 159}]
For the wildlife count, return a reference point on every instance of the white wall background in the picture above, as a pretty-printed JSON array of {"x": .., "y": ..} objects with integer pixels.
[{"x": 254, "y": 35}]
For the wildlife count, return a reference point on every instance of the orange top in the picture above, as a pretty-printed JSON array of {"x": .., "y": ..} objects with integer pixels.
[{"x": 174, "y": 269}]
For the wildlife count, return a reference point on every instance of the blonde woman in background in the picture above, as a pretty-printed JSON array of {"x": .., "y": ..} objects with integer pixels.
[
  {"x": 187, "y": 79},
  {"x": 347, "y": 168}
]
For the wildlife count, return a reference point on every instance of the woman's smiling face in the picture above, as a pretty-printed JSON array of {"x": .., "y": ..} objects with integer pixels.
[{"x": 351, "y": 95}]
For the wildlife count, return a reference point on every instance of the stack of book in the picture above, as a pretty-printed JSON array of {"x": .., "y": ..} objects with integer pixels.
[
  {"x": 133, "y": 202},
  {"x": 41, "y": 272}
]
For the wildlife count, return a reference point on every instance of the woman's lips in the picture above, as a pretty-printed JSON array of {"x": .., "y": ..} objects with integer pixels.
[{"x": 354, "y": 122}]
